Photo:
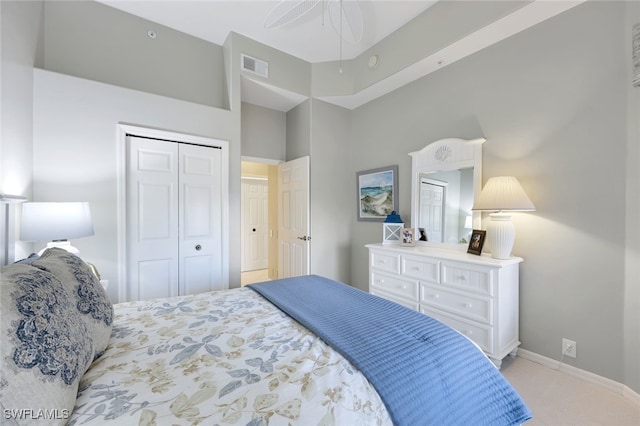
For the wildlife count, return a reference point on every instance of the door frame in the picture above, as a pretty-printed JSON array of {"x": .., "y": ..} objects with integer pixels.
[{"x": 121, "y": 176}]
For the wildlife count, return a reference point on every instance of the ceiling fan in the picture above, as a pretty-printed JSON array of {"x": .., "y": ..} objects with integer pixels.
[{"x": 345, "y": 16}]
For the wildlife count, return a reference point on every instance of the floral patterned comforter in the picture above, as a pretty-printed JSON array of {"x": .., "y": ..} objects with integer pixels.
[{"x": 227, "y": 357}]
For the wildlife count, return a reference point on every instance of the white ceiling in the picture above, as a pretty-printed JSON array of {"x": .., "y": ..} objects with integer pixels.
[{"x": 313, "y": 38}]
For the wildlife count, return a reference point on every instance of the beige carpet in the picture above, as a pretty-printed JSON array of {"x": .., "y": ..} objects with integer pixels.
[
  {"x": 558, "y": 399},
  {"x": 251, "y": 277}
]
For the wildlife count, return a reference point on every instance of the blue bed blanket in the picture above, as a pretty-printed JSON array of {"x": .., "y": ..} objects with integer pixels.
[{"x": 425, "y": 372}]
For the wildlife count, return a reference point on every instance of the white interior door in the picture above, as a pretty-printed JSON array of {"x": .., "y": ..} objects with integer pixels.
[
  {"x": 255, "y": 232},
  {"x": 293, "y": 229},
  {"x": 174, "y": 219}
]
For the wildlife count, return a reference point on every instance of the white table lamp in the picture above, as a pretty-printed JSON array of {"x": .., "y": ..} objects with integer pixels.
[
  {"x": 56, "y": 223},
  {"x": 502, "y": 195}
]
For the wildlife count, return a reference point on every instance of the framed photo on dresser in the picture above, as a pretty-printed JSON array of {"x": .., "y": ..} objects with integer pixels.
[
  {"x": 476, "y": 242},
  {"x": 408, "y": 237}
]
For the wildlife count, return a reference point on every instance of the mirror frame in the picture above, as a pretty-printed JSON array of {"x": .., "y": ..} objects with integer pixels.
[{"x": 445, "y": 155}]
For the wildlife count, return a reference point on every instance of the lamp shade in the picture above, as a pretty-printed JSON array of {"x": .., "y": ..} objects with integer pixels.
[
  {"x": 55, "y": 221},
  {"x": 503, "y": 193}
]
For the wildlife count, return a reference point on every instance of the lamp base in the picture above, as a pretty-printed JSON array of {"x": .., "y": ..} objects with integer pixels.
[
  {"x": 63, "y": 244},
  {"x": 501, "y": 235}
]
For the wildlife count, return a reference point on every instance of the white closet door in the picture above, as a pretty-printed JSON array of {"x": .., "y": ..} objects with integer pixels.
[
  {"x": 174, "y": 219},
  {"x": 152, "y": 218},
  {"x": 200, "y": 265}
]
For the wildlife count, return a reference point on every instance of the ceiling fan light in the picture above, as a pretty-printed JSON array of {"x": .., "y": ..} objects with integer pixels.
[{"x": 288, "y": 11}]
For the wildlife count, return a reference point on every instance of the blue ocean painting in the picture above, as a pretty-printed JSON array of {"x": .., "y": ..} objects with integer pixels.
[{"x": 376, "y": 194}]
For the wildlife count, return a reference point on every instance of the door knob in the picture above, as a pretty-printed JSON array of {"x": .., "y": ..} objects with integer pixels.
[
  {"x": 305, "y": 238},
  {"x": 198, "y": 247}
]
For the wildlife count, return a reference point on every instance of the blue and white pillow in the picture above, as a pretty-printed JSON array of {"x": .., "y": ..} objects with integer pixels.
[
  {"x": 88, "y": 295},
  {"x": 46, "y": 347}
]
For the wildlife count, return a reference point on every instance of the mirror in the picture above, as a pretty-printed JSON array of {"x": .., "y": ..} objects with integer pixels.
[
  {"x": 446, "y": 177},
  {"x": 444, "y": 210}
]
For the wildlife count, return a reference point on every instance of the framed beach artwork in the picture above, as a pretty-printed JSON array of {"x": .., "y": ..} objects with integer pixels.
[{"x": 377, "y": 193}]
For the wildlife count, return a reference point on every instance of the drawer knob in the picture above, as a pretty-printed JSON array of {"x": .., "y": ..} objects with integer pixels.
[
  {"x": 468, "y": 305},
  {"x": 404, "y": 287},
  {"x": 435, "y": 296},
  {"x": 468, "y": 332},
  {"x": 462, "y": 278}
]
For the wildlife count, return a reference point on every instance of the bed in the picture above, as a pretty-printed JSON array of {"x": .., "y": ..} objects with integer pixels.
[{"x": 299, "y": 351}]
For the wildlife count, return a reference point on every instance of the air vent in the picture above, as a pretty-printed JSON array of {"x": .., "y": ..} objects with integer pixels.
[{"x": 256, "y": 66}]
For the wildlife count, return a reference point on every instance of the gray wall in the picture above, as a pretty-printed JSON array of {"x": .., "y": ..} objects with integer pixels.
[
  {"x": 21, "y": 27},
  {"x": 551, "y": 102},
  {"x": 81, "y": 40},
  {"x": 298, "y": 142},
  {"x": 331, "y": 198},
  {"x": 632, "y": 260},
  {"x": 263, "y": 132}
]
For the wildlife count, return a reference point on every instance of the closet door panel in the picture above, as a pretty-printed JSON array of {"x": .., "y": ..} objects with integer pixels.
[
  {"x": 200, "y": 213},
  {"x": 155, "y": 276},
  {"x": 152, "y": 212}
]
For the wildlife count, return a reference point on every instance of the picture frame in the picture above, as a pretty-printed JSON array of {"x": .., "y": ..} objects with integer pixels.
[
  {"x": 377, "y": 193},
  {"x": 476, "y": 241},
  {"x": 408, "y": 237}
]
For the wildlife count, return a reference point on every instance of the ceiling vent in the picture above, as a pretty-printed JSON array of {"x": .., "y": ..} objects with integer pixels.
[{"x": 256, "y": 66}]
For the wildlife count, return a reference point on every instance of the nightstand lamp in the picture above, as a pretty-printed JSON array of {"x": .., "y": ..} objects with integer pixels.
[
  {"x": 502, "y": 194},
  {"x": 56, "y": 223},
  {"x": 7, "y": 226},
  {"x": 392, "y": 229}
]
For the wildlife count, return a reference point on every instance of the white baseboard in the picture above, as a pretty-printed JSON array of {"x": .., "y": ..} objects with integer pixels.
[{"x": 609, "y": 384}]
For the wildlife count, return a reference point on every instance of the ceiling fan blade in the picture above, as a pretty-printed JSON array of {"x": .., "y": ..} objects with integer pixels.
[
  {"x": 352, "y": 21},
  {"x": 288, "y": 11}
]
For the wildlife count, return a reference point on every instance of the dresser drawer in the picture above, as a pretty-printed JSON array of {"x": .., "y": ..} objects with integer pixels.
[
  {"x": 400, "y": 301},
  {"x": 479, "y": 334},
  {"x": 468, "y": 277},
  {"x": 394, "y": 285},
  {"x": 385, "y": 261},
  {"x": 463, "y": 305},
  {"x": 424, "y": 269}
]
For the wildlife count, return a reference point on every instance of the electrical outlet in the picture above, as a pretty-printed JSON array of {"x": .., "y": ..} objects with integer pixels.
[{"x": 569, "y": 348}]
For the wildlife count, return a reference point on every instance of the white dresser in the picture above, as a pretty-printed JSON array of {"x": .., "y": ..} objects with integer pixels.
[{"x": 476, "y": 295}]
